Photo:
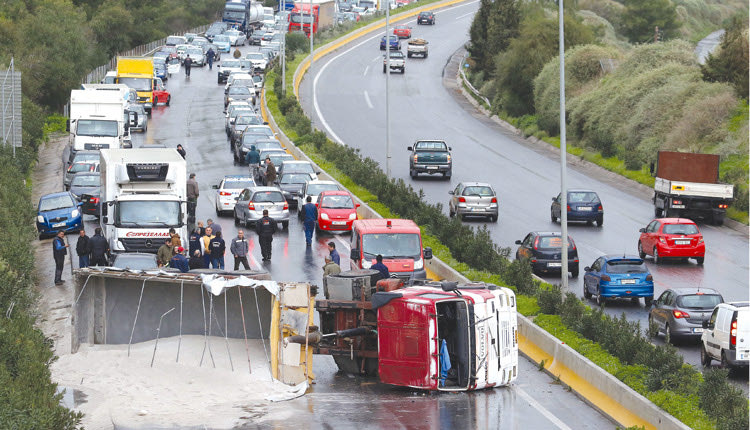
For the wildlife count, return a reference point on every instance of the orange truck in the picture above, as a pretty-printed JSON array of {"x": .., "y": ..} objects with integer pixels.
[{"x": 323, "y": 15}]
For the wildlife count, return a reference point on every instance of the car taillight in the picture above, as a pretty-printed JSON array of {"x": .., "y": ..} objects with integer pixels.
[
  {"x": 600, "y": 208},
  {"x": 680, "y": 314},
  {"x": 733, "y": 333},
  {"x": 536, "y": 242},
  {"x": 94, "y": 200},
  {"x": 462, "y": 200},
  {"x": 251, "y": 206},
  {"x": 494, "y": 200},
  {"x": 286, "y": 205},
  {"x": 722, "y": 206},
  {"x": 649, "y": 278},
  {"x": 606, "y": 278},
  {"x": 224, "y": 193},
  {"x": 568, "y": 208},
  {"x": 700, "y": 239},
  {"x": 572, "y": 244},
  {"x": 676, "y": 202},
  {"x": 70, "y": 167}
]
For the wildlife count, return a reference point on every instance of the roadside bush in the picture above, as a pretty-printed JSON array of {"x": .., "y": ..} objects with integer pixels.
[
  {"x": 723, "y": 400},
  {"x": 297, "y": 42},
  {"x": 550, "y": 299}
]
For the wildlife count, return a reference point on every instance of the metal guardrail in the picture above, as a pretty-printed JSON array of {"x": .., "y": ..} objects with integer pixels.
[{"x": 468, "y": 83}]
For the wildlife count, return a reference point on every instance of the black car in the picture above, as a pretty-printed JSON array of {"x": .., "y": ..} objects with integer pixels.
[
  {"x": 426, "y": 17},
  {"x": 90, "y": 203},
  {"x": 544, "y": 251},
  {"x": 291, "y": 185},
  {"x": 255, "y": 38},
  {"x": 242, "y": 145}
]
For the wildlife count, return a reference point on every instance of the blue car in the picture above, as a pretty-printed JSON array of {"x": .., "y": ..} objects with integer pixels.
[
  {"x": 160, "y": 68},
  {"x": 222, "y": 42},
  {"x": 618, "y": 276},
  {"x": 58, "y": 211},
  {"x": 583, "y": 205},
  {"x": 395, "y": 43}
]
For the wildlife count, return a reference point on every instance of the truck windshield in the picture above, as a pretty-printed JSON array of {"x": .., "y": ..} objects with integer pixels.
[
  {"x": 97, "y": 127},
  {"x": 147, "y": 213},
  {"x": 391, "y": 245},
  {"x": 239, "y": 16},
  {"x": 138, "y": 84},
  {"x": 297, "y": 18}
]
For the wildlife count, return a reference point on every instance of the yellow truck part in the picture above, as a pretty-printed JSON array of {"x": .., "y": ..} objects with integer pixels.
[{"x": 129, "y": 68}]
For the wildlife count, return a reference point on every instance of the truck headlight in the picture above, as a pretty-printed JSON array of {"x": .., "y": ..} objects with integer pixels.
[
  {"x": 40, "y": 219},
  {"x": 324, "y": 216},
  {"x": 418, "y": 264},
  {"x": 119, "y": 245}
]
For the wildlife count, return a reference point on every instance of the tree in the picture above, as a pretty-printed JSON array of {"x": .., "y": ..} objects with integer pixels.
[
  {"x": 494, "y": 26},
  {"x": 109, "y": 16},
  {"x": 478, "y": 47},
  {"x": 730, "y": 63},
  {"x": 641, "y": 18}
]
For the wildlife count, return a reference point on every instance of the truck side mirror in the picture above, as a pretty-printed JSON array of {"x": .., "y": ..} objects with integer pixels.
[
  {"x": 518, "y": 242},
  {"x": 427, "y": 253},
  {"x": 104, "y": 211},
  {"x": 215, "y": 187},
  {"x": 354, "y": 254},
  {"x": 409, "y": 148}
]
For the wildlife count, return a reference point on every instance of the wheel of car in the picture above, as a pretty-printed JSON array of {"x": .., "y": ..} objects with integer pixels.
[
  {"x": 156, "y": 100},
  {"x": 648, "y": 300},
  {"x": 667, "y": 334},
  {"x": 236, "y": 220},
  {"x": 218, "y": 81},
  {"x": 494, "y": 218},
  {"x": 586, "y": 293},
  {"x": 145, "y": 127},
  {"x": 169, "y": 99},
  {"x": 448, "y": 174},
  {"x": 412, "y": 174},
  {"x": 724, "y": 361},
  {"x": 383, "y": 69},
  {"x": 640, "y": 250},
  {"x": 705, "y": 358},
  {"x": 451, "y": 213},
  {"x": 599, "y": 299},
  {"x": 408, "y": 55},
  {"x": 657, "y": 260},
  {"x": 600, "y": 221},
  {"x": 700, "y": 260},
  {"x": 425, "y": 55},
  {"x": 574, "y": 273}
]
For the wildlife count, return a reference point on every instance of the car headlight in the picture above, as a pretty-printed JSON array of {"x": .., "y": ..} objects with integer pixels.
[
  {"x": 324, "y": 216},
  {"x": 418, "y": 264},
  {"x": 75, "y": 213},
  {"x": 40, "y": 219},
  {"x": 366, "y": 264},
  {"x": 353, "y": 216}
]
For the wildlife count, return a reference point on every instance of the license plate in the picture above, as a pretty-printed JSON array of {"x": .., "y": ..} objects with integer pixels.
[
  {"x": 682, "y": 242},
  {"x": 627, "y": 281},
  {"x": 431, "y": 167},
  {"x": 59, "y": 224},
  {"x": 554, "y": 264},
  {"x": 339, "y": 223},
  {"x": 585, "y": 208},
  {"x": 697, "y": 330}
]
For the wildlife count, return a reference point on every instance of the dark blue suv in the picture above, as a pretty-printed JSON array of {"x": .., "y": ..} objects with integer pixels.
[{"x": 583, "y": 205}]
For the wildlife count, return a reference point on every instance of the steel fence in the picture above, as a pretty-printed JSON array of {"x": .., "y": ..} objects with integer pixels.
[{"x": 10, "y": 99}]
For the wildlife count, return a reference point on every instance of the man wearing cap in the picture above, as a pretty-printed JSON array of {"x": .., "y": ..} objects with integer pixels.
[{"x": 179, "y": 261}]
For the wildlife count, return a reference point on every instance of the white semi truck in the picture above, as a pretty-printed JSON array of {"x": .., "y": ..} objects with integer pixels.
[
  {"x": 99, "y": 118},
  {"x": 143, "y": 194}
]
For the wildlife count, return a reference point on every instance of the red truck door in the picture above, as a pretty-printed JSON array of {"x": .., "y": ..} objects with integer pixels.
[{"x": 404, "y": 344}]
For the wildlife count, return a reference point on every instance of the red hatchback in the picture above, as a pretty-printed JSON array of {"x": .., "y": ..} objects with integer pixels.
[
  {"x": 671, "y": 238},
  {"x": 402, "y": 31},
  {"x": 336, "y": 211}
]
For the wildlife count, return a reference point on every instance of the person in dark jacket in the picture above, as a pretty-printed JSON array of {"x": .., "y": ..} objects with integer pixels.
[
  {"x": 59, "y": 251},
  {"x": 210, "y": 55},
  {"x": 187, "y": 63},
  {"x": 265, "y": 227},
  {"x": 253, "y": 161},
  {"x": 182, "y": 151},
  {"x": 179, "y": 261},
  {"x": 218, "y": 247},
  {"x": 380, "y": 267},
  {"x": 83, "y": 249},
  {"x": 99, "y": 248},
  {"x": 270, "y": 172},
  {"x": 196, "y": 261},
  {"x": 310, "y": 212},
  {"x": 334, "y": 254},
  {"x": 192, "y": 195},
  {"x": 165, "y": 253},
  {"x": 195, "y": 242},
  {"x": 239, "y": 248}
]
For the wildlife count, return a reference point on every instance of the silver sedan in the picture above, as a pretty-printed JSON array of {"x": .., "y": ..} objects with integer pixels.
[
  {"x": 252, "y": 201},
  {"x": 476, "y": 199}
]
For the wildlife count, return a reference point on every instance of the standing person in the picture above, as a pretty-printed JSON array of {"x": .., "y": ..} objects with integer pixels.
[
  {"x": 265, "y": 227},
  {"x": 165, "y": 253},
  {"x": 218, "y": 248},
  {"x": 179, "y": 261},
  {"x": 237, "y": 53},
  {"x": 239, "y": 249},
  {"x": 210, "y": 55},
  {"x": 206, "y": 249},
  {"x": 176, "y": 241},
  {"x": 253, "y": 161},
  {"x": 192, "y": 195},
  {"x": 196, "y": 261},
  {"x": 195, "y": 243},
  {"x": 59, "y": 251},
  {"x": 83, "y": 249},
  {"x": 188, "y": 64},
  {"x": 270, "y": 172},
  {"x": 330, "y": 268},
  {"x": 182, "y": 151},
  {"x": 380, "y": 267},
  {"x": 216, "y": 228},
  {"x": 99, "y": 248},
  {"x": 334, "y": 254},
  {"x": 201, "y": 228},
  {"x": 310, "y": 213}
]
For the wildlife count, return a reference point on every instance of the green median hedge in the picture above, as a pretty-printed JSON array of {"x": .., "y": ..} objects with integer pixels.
[{"x": 656, "y": 371}]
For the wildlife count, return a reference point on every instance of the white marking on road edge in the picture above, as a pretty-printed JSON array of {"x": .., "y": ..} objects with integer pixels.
[
  {"x": 375, "y": 60},
  {"x": 536, "y": 405},
  {"x": 465, "y": 15},
  {"x": 366, "y": 70},
  {"x": 328, "y": 128},
  {"x": 367, "y": 99}
]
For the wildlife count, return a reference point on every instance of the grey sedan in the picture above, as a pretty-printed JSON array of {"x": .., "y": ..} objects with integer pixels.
[
  {"x": 252, "y": 201},
  {"x": 477, "y": 199},
  {"x": 680, "y": 312},
  {"x": 239, "y": 94},
  {"x": 85, "y": 183}
]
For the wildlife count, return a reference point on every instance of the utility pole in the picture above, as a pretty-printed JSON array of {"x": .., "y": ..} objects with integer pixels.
[
  {"x": 563, "y": 161},
  {"x": 283, "y": 50},
  {"x": 312, "y": 58},
  {"x": 387, "y": 84}
]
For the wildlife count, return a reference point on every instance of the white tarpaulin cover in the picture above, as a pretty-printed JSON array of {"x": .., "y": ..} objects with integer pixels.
[{"x": 216, "y": 284}]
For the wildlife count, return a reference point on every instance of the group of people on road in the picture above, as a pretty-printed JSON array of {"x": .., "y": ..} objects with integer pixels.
[
  {"x": 187, "y": 63},
  {"x": 91, "y": 251},
  {"x": 252, "y": 158}
]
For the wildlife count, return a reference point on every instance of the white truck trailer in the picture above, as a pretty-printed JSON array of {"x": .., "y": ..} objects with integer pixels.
[
  {"x": 143, "y": 194},
  {"x": 99, "y": 118}
]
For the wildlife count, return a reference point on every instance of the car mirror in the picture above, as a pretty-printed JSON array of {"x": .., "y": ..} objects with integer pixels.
[
  {"x": 554, "y": 199},
  {"x": 450, "y": 192},
  {"x": 587, "y": 269},
  {"x": 80, "y": 204},
  {"x": 427, "y": 253},
  {"x": 518, "y": 242},
  {"x": 354, "y": 254},
  {"x": 236, "y": 199},
  {"x": 409, "y": 148},
  {"x": 450, "y": 149},
  {"x": 215, "y": 187},
  {"x": 356, "y": 205},
  {"x": 266, "y": 122},
  {"x": 642, "y": 230}
]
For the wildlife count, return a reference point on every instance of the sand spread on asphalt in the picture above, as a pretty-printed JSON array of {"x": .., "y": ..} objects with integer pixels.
[{"x": 127, "y": 392}]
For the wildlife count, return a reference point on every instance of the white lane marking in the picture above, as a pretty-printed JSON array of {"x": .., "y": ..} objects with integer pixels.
[
  {"x": 323, "y": 121},
  {"x": 465, "y": 15},
  {"x": 367, "y": 100},
  {"x": 376, "y": 59},
  {"x": 366, "y": 70},
  {"x": 536, "y": 405}
]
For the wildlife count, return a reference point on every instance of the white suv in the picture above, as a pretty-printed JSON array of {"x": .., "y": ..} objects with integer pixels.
[{"x": 726, "y": 335}]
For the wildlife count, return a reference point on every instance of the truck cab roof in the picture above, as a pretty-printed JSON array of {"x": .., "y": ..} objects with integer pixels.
[{"x": 366, "y": 226}]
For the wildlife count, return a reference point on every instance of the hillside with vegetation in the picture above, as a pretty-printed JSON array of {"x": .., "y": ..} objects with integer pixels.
[{"x": 631, "y": 90}]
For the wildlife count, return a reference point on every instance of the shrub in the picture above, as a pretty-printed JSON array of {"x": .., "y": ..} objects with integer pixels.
[
  {"x": 297, "y": 42},
  {"x": 550, "y": 300},
  {"x": 723, "y": 400}
]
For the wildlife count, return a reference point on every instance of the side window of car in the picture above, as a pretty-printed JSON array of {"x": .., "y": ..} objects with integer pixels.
[
  {"x": 557, "y": 200},
  {"x": 714, "y": 316},
  {"x": 457, "y": 191},
  {"x": 669, "y": 300},
  {"x": 527, "y": 240},
  {"x": 652, "y": 227},
  {"x": 663, "y": 297}
]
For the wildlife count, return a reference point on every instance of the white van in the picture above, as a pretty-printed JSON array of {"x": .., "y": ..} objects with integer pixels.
[{"x": 726, "y": 335}]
